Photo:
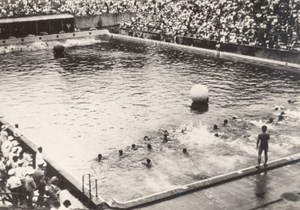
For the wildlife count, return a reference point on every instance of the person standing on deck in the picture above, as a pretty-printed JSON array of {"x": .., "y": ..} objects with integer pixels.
[
  {"x": 263, "y": 145},
  {"x": 39, "y": 158}
]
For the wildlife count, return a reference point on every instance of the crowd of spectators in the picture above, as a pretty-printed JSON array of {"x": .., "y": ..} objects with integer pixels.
[
  {"x": 23, "y": 176},
  {"x": 265, "y": 23},
  {"x": 21, "y": 8}
]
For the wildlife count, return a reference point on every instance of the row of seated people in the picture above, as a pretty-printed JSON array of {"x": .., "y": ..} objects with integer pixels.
[{"x": 23, "y": 176}]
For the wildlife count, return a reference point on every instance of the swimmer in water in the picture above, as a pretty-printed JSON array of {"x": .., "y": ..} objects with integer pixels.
[
  {"x": 120, "y": 152},
  {"x": 215, "y": 127},
  {"x": 184, "y": 150},
  {"x": 149, "y": 147},
  {"x": 166, "y": 134},
  {"x": 263, "y": 145},
  {"x": 279, "y": 108},
  {"x": 225, "y": 122},
  {"x": 147, "y": 138},
  {"x": 292, "y": 101},
  {"x": 148, "y": 163},
  {"x": 133, "y": 146},
  {"x": 280, "y": 117},
  {"x": 99, "y": 157},
  {"x": 271, "y": 120},
  {"x": 216, "y": 135}
]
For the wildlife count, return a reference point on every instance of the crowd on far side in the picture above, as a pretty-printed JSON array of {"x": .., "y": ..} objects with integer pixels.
[
  {"x": 265, "y": 23},
  {"x": 21, "y": 8}
]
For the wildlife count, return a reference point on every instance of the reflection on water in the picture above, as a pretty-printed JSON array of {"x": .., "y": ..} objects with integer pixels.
[
  {"x": 106, "y": 96},
  {"x": 261, "y": 187}
]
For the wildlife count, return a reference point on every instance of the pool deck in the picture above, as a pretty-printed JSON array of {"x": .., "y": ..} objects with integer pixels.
[{"x": 259, "y": 191}]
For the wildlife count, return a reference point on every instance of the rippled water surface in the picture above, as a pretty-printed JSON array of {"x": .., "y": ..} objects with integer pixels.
[{"x": 104, "y": 97}]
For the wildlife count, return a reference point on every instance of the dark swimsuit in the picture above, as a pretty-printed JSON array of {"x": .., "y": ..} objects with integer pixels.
[{"x": 264, "y": 138}]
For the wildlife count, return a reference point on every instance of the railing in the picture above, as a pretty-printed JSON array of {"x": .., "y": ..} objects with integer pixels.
[
  {"x": 89, "y": 185},
  {"x": 8, "y": 196}
]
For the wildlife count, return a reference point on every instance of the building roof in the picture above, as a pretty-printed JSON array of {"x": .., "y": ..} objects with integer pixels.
[{"x": 35, "y": 18}]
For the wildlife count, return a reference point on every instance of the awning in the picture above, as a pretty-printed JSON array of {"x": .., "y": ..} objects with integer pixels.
[{"x": 35, "y": 18}]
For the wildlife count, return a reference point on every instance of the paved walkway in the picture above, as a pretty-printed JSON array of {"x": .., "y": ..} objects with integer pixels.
[{"x": 258, "y": 191}]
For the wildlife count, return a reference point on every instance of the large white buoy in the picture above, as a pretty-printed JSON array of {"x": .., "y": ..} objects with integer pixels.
[{"x": 199, "y": 93}]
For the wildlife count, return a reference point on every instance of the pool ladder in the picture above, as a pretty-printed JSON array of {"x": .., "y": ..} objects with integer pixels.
[{"x": 90, "y": 185}]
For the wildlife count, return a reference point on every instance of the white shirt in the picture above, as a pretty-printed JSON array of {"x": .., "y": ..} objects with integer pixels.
[
  {"x": 6, "y": 148},
  {"x": 13, "y": 182},
  {"x": 39, "y": 158},
  {"x": 20, "y": 172}
]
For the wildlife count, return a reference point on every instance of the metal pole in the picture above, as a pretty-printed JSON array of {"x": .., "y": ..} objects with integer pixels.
[
  {"x": 90, "y": 186},
  {"x": 83, "y": 183},
  {"x": 96, "y": 187}
]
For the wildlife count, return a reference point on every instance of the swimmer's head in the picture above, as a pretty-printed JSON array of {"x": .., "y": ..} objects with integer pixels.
[
  {"x": 234, "y": 118},
  {"x": 148, "y": 161},
  {"x": 146, "y": 138},
  {"x": 271, "y": 120},
  {"x": 282, "y": 113},
  {"x": 149, "y": 146},
  {"x": 276, "y": 108},
  {"x": 184, "y": 150},
  {"x": 290, "y": 101},
  {"x": 264, "y": 128},
  {"x": 120, "y": 152},
  {"x": 99, "y": 157},
  {"x": 216, "y": 135},
  {"x": 225, "y": 122},
  {"x": 215, "y": 127},
  {"x": 133, "y": 146}
]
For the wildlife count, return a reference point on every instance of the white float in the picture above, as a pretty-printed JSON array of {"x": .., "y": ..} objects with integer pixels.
[{"x": 199, "y": 93}]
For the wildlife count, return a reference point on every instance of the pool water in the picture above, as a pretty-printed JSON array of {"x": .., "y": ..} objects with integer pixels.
[{"x": 105, "y": 96}]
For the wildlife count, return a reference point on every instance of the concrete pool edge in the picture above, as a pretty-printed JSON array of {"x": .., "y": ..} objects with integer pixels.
[
  {"x": 22, "y": 44},
  {"x": 203, "y": 184},
  {"x": 293, "y": 67}
]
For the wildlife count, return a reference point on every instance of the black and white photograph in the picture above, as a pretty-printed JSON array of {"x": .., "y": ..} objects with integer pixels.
[{"x": 150, "y": 104}]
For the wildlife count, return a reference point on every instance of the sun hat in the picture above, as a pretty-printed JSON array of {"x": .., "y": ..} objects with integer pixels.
[
  {"x": 15, "y": 143},
  {"x": 11, "y": 172},
  {"x": 20, "y": 162},
  {"x": 42, "y": 163},
  {"x": 54, "y": 179},
  {"x": 3, "y": 127},
  {"x": 16, "y": 149},
  {"x": 29, "y": 170},
  {"x": 10, "y": 138}
]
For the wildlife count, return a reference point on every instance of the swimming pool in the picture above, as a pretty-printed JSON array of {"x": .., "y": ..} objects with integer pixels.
[{"x": 105, "y": 96}]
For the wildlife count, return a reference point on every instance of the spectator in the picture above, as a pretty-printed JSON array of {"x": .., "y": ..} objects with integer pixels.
[
  {"x": 39, "y": 158},
  {"x": 15, "y": 186},
  {"x": 30, "y": 186},
  {"x": 39, "y": 179}
]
